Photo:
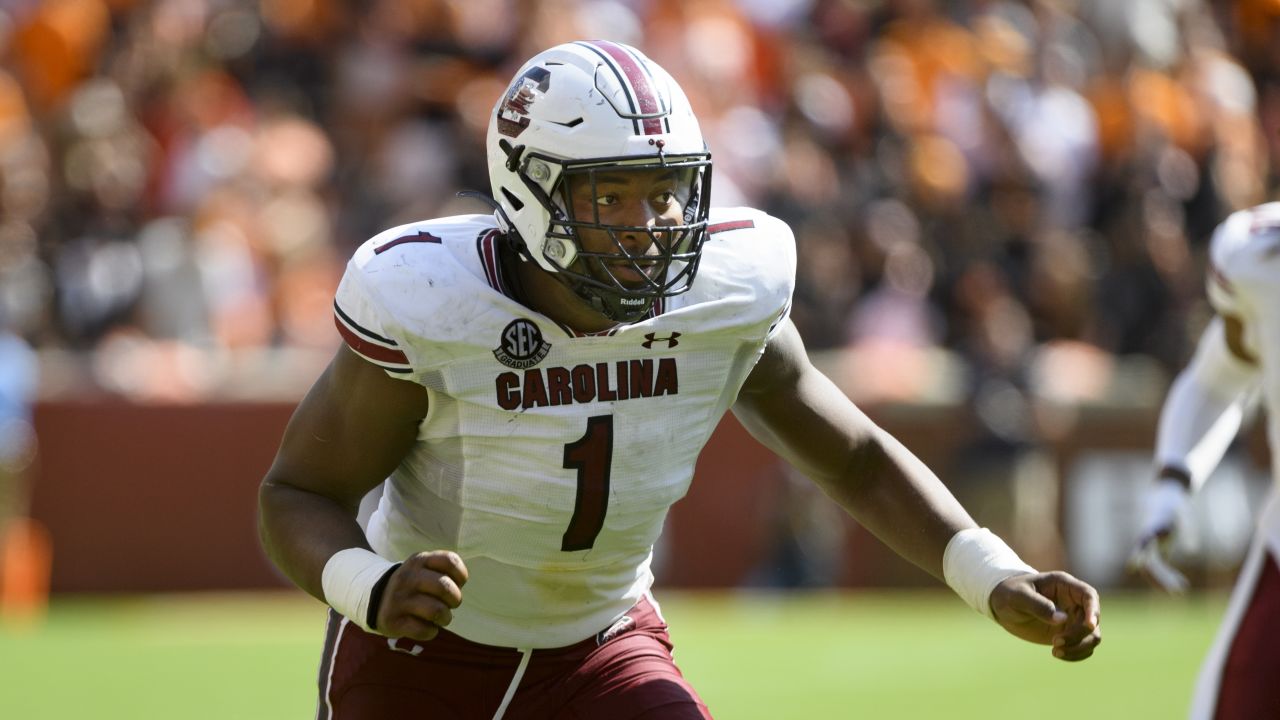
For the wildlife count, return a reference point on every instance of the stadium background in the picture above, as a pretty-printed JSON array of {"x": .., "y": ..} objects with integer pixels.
[{"x": 1001, "y": 208}]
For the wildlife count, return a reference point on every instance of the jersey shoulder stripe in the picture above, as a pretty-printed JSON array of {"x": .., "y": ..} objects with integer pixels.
[
  {"x": 746, "y": 274},
  {"x": 403, "y": 277},
  {"x": 720, "y": 227},
  {"x": 418, "y": 237},
  {"x": 373, "y": 347}
]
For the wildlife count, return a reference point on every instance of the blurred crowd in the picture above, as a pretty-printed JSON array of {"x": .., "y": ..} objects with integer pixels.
[{"x": 1021, "y": 189}]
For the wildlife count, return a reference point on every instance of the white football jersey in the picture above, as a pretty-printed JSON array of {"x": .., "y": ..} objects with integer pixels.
[
  {"x": 1244, "y": 281},
  {"x": 549, "y": 457}
]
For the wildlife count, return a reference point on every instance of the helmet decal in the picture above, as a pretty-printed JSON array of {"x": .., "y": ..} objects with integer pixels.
[
  {"x": 647, "y": 111},
  {"x": 513, "y": 113}
]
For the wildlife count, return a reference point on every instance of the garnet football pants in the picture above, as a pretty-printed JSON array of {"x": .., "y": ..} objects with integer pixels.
[
  {"x": 1240, "y": 679},
  {"x": 624, "y": 673}
]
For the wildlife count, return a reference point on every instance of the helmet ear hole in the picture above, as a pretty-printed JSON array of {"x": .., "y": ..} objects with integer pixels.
[{"x": 516, "y": 202}]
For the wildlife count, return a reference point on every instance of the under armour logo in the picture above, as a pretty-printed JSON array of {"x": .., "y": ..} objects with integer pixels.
[{"x": 651, "y": 338}]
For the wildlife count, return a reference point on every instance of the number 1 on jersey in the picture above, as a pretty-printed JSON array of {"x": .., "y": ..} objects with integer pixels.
[{"x": 592, "y": 456}]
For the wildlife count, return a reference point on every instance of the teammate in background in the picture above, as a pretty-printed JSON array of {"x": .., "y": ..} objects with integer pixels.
[
  {"x": 1238, "y": 359},
  {"x": 18, "y": 377},
  {"x": 535, "y": 387},
  {"x": 24, "y": 542}
]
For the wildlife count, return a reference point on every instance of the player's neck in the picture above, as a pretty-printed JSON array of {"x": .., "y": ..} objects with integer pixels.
[{"x": 541, "y": 291}]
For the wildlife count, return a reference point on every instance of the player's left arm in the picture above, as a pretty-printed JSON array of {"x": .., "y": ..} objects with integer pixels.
[{"x": 797, "y": 412}]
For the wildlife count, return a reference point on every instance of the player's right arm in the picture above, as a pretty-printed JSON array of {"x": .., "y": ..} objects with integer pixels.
[{"x": 351, "y": 430}]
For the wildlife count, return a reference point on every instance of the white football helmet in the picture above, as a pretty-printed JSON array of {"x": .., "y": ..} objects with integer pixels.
[{"x": 583, "y": 108}]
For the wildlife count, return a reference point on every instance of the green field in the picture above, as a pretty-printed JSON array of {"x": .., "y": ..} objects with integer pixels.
[{"x": 853, "y": 655}]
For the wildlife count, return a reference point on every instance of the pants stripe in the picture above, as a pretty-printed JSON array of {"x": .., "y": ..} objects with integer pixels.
[
  {"x": 337, "y": 625},
  {"x": 525, "y": 654}
]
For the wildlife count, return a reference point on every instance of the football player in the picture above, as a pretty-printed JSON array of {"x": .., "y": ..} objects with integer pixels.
[
  {"x": 535, "y": 386},
  {"x": 1236, "y": 362}
]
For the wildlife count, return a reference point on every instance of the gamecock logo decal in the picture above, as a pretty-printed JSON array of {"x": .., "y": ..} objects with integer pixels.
[{"x": 513, "y": 114}]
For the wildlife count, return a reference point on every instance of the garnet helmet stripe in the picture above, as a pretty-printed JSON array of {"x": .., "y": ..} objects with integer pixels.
[{"x": 640, "y": 82}]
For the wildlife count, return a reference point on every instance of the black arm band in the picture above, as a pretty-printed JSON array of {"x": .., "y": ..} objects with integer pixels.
[
  {"x": 1177, "y": 474},
  {"x": 375, "y": 597}
]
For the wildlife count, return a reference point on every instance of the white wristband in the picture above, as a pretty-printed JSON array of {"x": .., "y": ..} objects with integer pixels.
[
  {"x": 348, "y": 581},
  {"x": 1162, "y": 505},
  {"x": 975, "y": 562}
]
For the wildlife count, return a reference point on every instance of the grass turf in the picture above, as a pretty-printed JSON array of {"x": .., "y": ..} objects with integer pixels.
[{"x": 826, "y": 655}]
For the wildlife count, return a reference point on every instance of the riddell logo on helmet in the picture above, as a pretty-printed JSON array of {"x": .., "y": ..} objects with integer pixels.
[{"x": 513, "y": 114}]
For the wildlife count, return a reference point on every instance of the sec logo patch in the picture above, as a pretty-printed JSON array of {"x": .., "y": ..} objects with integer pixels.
[{"x": 521, "y": 345}]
